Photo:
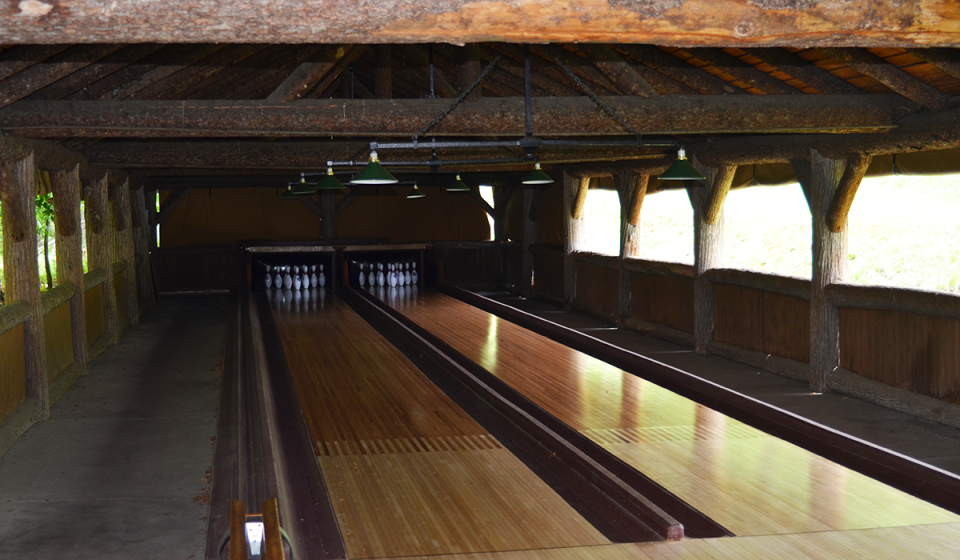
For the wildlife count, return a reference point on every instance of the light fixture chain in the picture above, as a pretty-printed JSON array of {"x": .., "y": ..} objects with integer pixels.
[
  {"x": 596, "y": 99},
  {"x": 458, "y": 100}
]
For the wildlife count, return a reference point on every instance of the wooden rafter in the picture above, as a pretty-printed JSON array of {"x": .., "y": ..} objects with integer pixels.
[
  {"x": 308, "y": 74},
  {"x": 947, "y": 60},
  {"x": 382, "y": 76},
  {"x": 417, "y": 58},
  {"x": 22, "y": 57},
  {"x": 113, "y": 62},
  {"x": 889, "y": 75},
  {"x": 692, "y": 77},
  {"x": 618, "y": 71},
  {"x": 742, "y": 71},
  {"x": 171, "y": 86},
  {"x": 129, "y": 82},
  {"x": 823, "y": 81},
  {"x": 53, "y": 69}
]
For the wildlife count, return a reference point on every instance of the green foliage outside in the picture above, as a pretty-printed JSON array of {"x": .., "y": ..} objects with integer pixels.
[
  {"x": 903, "y": 230},
  {"x": 46, "y": 237}
]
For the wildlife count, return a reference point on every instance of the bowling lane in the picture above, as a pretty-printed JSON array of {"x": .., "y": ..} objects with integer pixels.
[
  {"x": 409, "y": 473},
  {"x": 748, "y": 481}
]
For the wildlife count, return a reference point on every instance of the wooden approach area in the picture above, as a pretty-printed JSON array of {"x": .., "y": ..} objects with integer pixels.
[{"x": 411, "y": 475}]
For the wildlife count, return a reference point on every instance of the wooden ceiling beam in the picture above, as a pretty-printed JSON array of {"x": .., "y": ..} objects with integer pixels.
[
  {"x": 417, "y": 58},
  {"x": 679, "y": 70},
  {"x": 560, "y": 116},
  {"x": 545, "y": 75},
  {"x": 787, "y": 62},
  {"x": 938, "y": 130},
  {"x": 382, "y": 76},
  {"x": 889, "y": 75},
  {"x": 110, "y": 64},
  {"x": 468, "y": 70},
  {"x": 661, "y": 82},
  {"x": 225, "y": 83},
  {"x": 742, "y": 71},
  {"x": 174, "y": 84},
  {"x": 55, "y": 68},
  {"x": 336, "y": 71},
  {"x": 618, "y": 71},
  {"x": 947, "y": 60},
  {"x": 580, "y": 66},
  {"x": 693, "y": 22}
]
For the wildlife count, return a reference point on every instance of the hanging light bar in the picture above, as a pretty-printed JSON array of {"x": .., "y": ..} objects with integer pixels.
[
  {"x": 374, "y": 173},
  {"x": 681, "y": 170}
]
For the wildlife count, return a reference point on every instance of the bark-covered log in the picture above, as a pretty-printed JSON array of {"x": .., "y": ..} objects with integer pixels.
[
  {"x": 531, "y": 221},
  {"x": 853, "y": 174},
  {"x": 124, "y": 248},
  {"x": 708, "y": 251},
  {"x": 100, "y": 250},
  {"x": 693, "y": 22},
  {"x": 566, "y": 116},
  {"x": 21, "y": 275},
  {"x": 66, "y": 204},
  {"x": 574, "y": 190}
]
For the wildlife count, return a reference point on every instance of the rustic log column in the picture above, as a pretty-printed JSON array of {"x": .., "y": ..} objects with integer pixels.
[
  {"x": 100, "y": 248},
  {"x": 66, "y": 204},
  {"x": 120, "y": 197},
  {"x": 21, "y": 275},
  {"x": 531, "y": 225},
  {"x": 707, "y": 200},
  {"x": 820, "y": 179},
  {"x": 328, "y": 218},
  {"x": 501, "y": 196},
  {"x": 141, "y": 245},
  {"x": 153, "y": 220},
  {"x": 574, "y": 198},
  {"x": 631, "y": 189}
]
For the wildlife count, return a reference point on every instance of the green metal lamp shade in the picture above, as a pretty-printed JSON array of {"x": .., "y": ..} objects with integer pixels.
[
  {"x": 458, "y": 186},
  {"x": 681, "y": 170},
  {"x": 416, "y": 193},
  {"x": 288, "y": 194},
  {"x": 303, "y": 187},
  {"x": 374, "y": 174},
  {"x": 537, "y": 177},
  {"x": 329, "y": 182}
]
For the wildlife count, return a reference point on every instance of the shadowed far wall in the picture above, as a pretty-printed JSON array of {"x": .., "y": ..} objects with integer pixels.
[{"x": 226, "y": 216}]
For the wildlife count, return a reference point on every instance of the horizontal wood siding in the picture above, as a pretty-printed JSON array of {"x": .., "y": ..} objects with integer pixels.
[
  {"x": 548, "y": 274},
  {"x": 762, "y": 321},
  {"x": 58, "y": 337},
  {"x": 473, "y": 266},
  {"x": 910, "y": 351},
  {"x": 196, "y": 269},
  {"x": 597, "y": 289},
  {"x": 663, "y": 300},
  {"x": 93, "y": 307},
  {"x": 13, "y": 371}
]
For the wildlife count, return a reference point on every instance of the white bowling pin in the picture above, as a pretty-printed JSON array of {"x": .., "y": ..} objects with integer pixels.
[
  {"x": 406, "y": 274},
  {"x": 277, "y": 279},
  {"x": 372, "y": 277},
  {"x": 362, "y": 279},
  {"x": 313, "y": 275},
  {"x": 381, "y": 278},
  {"x": 393, "y": 276},
  {"x": 268, "y": 281},
  {"x": 287, "y": 280},
  {"x": 322, "y": 277},
  {"x": 305, "y": 280},
  {"x": 297, "y": 283},
  {"x": 413, "y": 274}
]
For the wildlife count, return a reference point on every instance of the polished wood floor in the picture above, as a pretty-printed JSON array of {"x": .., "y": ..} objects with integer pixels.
[
  {"x": 409, "y": 473},
  {"x": 748, "y": 481}
]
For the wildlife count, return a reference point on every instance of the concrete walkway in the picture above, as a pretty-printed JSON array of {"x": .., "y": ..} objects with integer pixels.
[
  {"x": 924, "y": 440},
  {"x": 121, "y": 469}
]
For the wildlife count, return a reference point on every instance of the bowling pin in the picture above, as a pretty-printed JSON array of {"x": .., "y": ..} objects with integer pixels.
[
  {"x": 406, "y": 274},
  {"x": 313, "y": 275},
  {"x": 297, "y": 283},
  {"x": 362, "y": 279},
  {"x": 372, "y": 277},
  {"x": 322, "y": 277},
  {"x": 305, "y": 281},
  {"x": 277, "y": 279},
  {"x": 381, "y": 278},
  {"x": 413, "y": 274},
  {"x": 268, "y": 281},
  {"x": 287, "y": 280},
  {"x": 393, "y": 276}
]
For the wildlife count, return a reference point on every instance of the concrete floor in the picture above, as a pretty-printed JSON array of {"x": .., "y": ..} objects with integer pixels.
[
  {"x": 121, "y": 469},
  {"x": 924, "y": 440}
]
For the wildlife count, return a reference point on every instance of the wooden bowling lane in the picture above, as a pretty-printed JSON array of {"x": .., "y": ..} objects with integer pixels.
[
  {"x": 408, "y": 472},
  {"x": 746, "y": 480}
]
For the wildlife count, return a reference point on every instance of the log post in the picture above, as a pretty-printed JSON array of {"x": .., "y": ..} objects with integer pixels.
[
  {"x": 140, "y": 222},
  {"x": 531, "y": 225},
  {"x": 66, "y": 204},
  {"x": 328, "y": 216},
  {"x": 501, "y": 196},
  {"x": 631, "y": 189},
  {"x": 124, "y": 249},
  {"x": 21, "y": 275},
  {"x": 822, "y": 177},
  {"x": 100, "y": 248},
  {"x": 574, "y": 199},
  {"x": 707, "y": 200}
]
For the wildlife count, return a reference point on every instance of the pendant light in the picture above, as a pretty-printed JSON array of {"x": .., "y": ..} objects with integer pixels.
[
  {"x": 681, "y": 170},
  {"x": 329, "y": 182},
  {"x": 303, "y": 187},
  {"x": 415, "y": 193},
  {"x": 288, "y": 194},
  {"x": 458, "y": 186},
  {"x": 537, "y": 177},
  {"x": 374, "y": 173}
]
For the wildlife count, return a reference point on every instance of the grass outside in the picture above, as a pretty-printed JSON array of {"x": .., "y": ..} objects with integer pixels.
[{"x": 903, "y": 230}]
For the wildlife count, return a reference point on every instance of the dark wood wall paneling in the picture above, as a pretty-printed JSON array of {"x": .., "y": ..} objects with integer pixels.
[
  {"x": 468, "y": 266},
  {"x": 663, "y": 300},
  {"x": 93, "y": 309},
  {"x": 762, "y": 321},
  {"x": 13, "y": 371},
  {"x": 59, "y": 340},
  {"x": 194, "y": 269},
  {"x": 548, "y": 272},
  {"x": 598, "y": 288},
  {"x": 512, "y": 265},
  {"x": 910, "y": 351}
]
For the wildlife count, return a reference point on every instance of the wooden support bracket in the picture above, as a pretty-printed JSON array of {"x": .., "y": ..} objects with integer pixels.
[{"x": 853, "y": 174}]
